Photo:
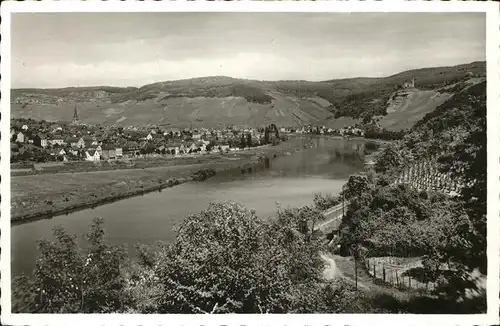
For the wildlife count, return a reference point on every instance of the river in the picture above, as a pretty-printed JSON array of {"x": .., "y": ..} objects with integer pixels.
[{"x": 290, "y": 180}]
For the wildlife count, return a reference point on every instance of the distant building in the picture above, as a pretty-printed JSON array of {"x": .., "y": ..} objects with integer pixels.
[
  {"x": 92, "y": 155},
  {"x": 55, "y": 140},
  {"x": 409, "y": 84},
  {"x": 24, "y": 127},
  {"x": 40, "y": 140},
  {"x": 76, "y": 120},
  {"x": 20, "y": 137}
]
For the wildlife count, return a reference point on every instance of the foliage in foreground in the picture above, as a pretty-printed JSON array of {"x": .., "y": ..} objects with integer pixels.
[
  {"x": 224, "y": 260},
  {"x": 450, "y": 234},
  {"x": 70, "y": 279}
]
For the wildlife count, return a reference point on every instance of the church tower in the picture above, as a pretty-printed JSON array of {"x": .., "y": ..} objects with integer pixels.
[{"x": 76, "y": 120}]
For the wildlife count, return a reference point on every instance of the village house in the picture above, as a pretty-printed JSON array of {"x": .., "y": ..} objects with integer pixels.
[
  {"x": 24, "y": 127},
  {"x": 20, "y": 137},
  {"x": 202, "y": 145},
  {"x": 190, "y": 147},
  {"x": 80, "y": 143},
  {"x": 108, "y": 152},
  {"x": 72, "y": 151},
  {"x": 58, "y": 152},
  {"x": 173, "y": 150},
  {"x": 40, "y": 140},
  {"x": 131, "y": 147},
  {"x": 72, "y": 141},
  {"x": 55, "y": 139},
  {"x": 92, "y": 155}
]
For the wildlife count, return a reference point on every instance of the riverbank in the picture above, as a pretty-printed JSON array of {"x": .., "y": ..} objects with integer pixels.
[{"x": 45, "y": 195}]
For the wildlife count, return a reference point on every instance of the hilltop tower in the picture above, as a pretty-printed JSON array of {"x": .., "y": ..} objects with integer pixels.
[{"x": 76, "y": 120}]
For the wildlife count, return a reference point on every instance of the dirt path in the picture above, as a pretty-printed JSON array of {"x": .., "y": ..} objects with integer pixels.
[{"x": 331, "y": 271}]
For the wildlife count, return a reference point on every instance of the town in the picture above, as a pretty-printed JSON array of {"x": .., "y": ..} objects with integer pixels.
[{"x": 43, "y": 141}]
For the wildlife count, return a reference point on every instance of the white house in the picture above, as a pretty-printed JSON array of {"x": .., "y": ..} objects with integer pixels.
[
  {"x": 149, "y": 136},
  {"x": 80, "y": 143},
  {"x": 24, "y": 127},
  {"x": 173, "y": 148},
  {"x": 191, "y": 147},
  {"x": 224, "y": 148},
  {"x": 92, "y": 155},
  {"x": 20, "y": 137}
]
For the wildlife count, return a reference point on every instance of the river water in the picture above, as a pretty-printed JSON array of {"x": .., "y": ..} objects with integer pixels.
[{"x": 289, "y": 180}]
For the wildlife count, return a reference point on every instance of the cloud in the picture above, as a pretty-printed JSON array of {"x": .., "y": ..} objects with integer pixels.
[{"x": 56, "y": 50}]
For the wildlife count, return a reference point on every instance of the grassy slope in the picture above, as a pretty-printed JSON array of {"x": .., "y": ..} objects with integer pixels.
[{"x": 224, "y": 100}]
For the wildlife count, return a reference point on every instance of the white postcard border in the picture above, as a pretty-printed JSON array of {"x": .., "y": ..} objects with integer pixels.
[{"x": 493, "y": 179}]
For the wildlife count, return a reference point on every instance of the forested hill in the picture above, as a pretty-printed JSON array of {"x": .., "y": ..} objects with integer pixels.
[
  {"x": 446, "y": 233},
  {"x": 224, "y": 100}
]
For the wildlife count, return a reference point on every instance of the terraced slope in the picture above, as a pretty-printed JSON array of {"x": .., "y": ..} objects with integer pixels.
[
  {"x": 223, "y": 100},
  {"x": 407, "y": 107}
]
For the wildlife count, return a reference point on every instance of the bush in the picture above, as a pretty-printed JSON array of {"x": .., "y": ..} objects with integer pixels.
[
  {"x": 326, "y": 201},
  {"x": 203, "y": 175}
]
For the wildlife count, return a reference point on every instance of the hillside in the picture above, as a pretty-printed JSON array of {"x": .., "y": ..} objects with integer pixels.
[{"x": 220, "y": 100}]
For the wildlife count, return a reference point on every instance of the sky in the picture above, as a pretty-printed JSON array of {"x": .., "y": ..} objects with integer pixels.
[{"x": 51, "y": 50}]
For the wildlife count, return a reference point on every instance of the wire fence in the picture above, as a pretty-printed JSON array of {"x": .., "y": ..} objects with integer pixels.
[{"x": 406, "y": 276}]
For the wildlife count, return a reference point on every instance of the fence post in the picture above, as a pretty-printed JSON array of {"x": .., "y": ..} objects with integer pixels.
[
  {"x": 374, "y": 270},
  {"x": 356, "y": 271},
  {"x": 383, "y": 272},
  {"x": 397, "y": 279},
  {"x": 409, "y": 281}
]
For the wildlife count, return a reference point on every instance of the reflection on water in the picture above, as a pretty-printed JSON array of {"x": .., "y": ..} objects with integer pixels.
[{"x": 286, "y": 180}]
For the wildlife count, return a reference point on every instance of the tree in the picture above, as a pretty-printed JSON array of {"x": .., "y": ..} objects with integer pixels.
[
  {"x": 242, "y": 141},
  {"x": 389, "y": 160},
  {"x": 226, "y": 259},
  {"x": 68, "y": 279},
  {"x": 249, "y": 140},
  {"x": 356, "y": 185}
]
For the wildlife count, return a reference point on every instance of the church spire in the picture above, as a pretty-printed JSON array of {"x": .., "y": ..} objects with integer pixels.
[
  {"x": 75, "y": 114},
  {"x": 76, "y": 120}
]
